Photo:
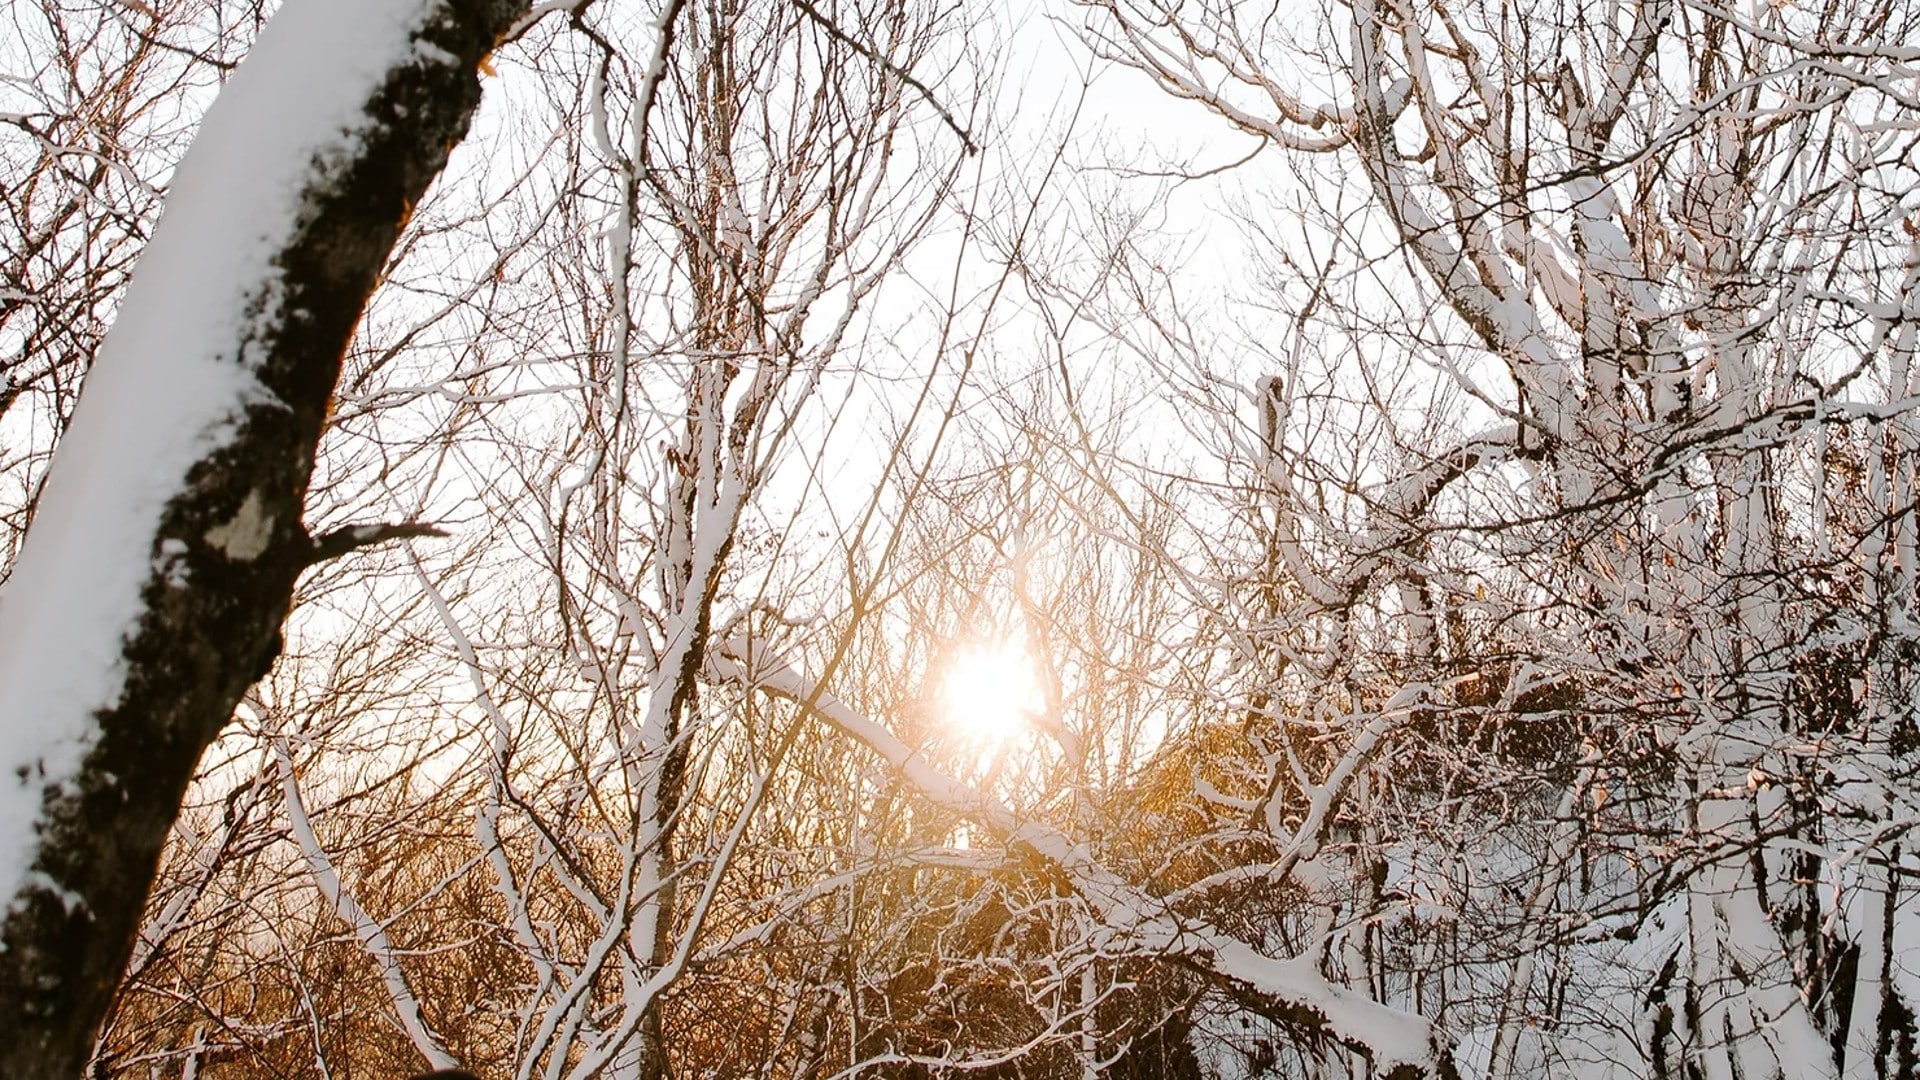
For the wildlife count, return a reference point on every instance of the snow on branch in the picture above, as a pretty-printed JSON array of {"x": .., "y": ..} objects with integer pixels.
[
  {"x": 367, "y": 930},
  {"x": 1290, "y": 991},
  {"x": 161, "y": 560}
]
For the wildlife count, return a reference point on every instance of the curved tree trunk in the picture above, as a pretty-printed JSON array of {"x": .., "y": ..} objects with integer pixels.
[{"x": 152, "y": 585}]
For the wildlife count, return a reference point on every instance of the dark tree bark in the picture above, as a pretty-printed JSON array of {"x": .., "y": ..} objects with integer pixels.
[{"x": 197, "y": 646}]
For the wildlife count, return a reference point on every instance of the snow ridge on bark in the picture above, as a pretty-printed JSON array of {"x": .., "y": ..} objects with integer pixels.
[
  {"x": 170, "y": 384},
  {"x": 152, "y": 585}
]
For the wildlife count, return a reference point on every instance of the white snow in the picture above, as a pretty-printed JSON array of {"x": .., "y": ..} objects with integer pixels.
[
  {"x": 169, "y": 383},
  {"x": 246, "y": 536},
  {"x": 1394, "y": 1037},
  {"x": 368, "y": 930}
]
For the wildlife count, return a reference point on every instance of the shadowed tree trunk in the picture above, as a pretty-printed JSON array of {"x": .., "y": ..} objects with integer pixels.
[{"x": 136, "y": 618}]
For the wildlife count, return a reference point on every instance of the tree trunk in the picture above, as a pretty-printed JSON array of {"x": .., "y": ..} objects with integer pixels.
[{"x": 151, "y": 588}]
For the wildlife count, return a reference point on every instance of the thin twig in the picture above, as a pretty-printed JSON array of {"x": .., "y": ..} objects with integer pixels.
[{"x": 873, "y": 54}]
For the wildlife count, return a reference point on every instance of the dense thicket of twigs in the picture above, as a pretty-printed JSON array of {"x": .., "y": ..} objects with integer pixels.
[{"x": 1467, "y": 549}]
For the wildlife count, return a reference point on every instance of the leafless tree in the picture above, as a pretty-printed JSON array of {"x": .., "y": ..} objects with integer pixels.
[
  {"x": 1470, "y": 611},
  {"x": 1594, "y": 297}
]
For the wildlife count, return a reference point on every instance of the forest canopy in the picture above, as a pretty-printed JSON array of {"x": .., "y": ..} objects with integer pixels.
[{"x": 1136, "y": 538}]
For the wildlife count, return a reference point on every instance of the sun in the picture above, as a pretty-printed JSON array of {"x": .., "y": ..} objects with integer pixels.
[{"x": 989, "y": 692}]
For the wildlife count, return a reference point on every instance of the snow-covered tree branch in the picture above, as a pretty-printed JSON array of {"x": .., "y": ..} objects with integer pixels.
[
  {"x": 161, "y": 560},
  {"x": 883, "y": 539}
]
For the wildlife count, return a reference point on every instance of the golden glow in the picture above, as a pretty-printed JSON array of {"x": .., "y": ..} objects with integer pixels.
[{"x": 989, "y": 692}]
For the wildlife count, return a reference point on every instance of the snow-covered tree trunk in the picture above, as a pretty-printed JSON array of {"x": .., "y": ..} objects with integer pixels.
[{"x": 151, "y": 587}]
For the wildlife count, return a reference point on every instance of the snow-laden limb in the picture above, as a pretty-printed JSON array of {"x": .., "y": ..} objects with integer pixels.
[
  {"x": 170, "y": 388},
  {"x": 366, "y": 929},
  {"x": 1747, "y": 997},
  {"x": 152, "y": 583},
  {"x": 1398, "y": 1043},
  {"x": 549, "y": 970}
]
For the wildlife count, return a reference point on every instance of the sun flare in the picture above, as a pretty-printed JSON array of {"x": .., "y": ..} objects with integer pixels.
[{"x": 989, "y": 692}]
